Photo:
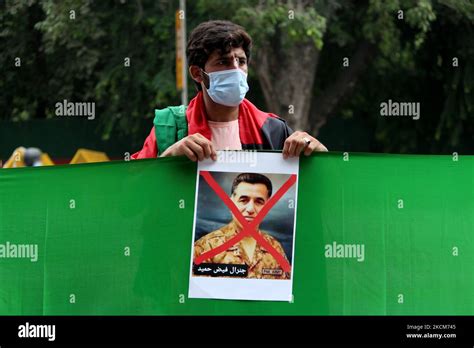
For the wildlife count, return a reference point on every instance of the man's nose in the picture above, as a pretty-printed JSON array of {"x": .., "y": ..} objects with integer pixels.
[{"x": 250, "y": 208}]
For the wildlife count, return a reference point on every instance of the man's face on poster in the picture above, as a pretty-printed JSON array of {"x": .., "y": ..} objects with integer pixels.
[{"x": 249, "y": 199}]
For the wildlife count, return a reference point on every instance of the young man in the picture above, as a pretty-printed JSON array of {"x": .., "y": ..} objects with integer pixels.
[
  {"x": 219, "y": 117},
  {"x": 250, "y": 192}
]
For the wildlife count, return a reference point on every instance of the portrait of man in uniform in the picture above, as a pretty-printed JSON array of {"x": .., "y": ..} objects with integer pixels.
[{"x": 249, "y": 192}]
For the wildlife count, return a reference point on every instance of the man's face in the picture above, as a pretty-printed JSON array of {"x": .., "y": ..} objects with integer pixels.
[
  {"x": 234, "y": 59},
  {"x": 249, "y": 199}
]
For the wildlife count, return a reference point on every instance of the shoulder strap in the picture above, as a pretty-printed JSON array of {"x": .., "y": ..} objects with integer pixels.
[{"x": 170, "y": 126}]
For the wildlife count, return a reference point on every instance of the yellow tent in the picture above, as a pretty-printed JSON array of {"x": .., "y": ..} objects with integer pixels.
[
  {"x": 16, "y": 160},
  {"x": 89, "y": 156}
]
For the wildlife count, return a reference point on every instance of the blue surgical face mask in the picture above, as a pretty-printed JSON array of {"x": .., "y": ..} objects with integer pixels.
[{"x": 227, "y": 87}]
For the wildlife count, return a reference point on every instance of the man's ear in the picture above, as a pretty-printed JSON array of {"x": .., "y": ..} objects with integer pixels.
[
  {"x": 195, "y": 73},
  {"x": 198, "y": 76}
]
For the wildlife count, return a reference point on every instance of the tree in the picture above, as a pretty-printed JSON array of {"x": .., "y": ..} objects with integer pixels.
[
  {"x": 314, "y": 61},
  {"x": 116, "y": 55},
  {"x": 310, "y": 57}
]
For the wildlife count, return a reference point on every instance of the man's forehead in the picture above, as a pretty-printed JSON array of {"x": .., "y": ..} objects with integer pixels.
[
  {"x": 234, "y": 52},
  {"x": 245, "y": 188}
]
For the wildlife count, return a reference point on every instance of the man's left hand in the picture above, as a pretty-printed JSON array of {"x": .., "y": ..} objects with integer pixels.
[{"x": 301, "y": 141}]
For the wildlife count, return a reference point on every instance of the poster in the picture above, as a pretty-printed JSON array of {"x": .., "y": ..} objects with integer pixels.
[{"x": 244, "y": 227}]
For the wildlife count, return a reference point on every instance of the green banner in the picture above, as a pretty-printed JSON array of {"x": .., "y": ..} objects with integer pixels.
[{"x": 115, "y": 238}]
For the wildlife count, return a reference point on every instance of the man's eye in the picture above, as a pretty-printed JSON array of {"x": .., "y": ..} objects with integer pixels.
[{"x": 243, "y": 61}]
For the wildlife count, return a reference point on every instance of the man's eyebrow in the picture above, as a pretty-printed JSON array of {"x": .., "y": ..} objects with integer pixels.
[{"x": 229, "y": 56}]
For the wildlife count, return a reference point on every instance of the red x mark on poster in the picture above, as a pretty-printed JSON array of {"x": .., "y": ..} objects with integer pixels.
[{"x": 248, "y": 228}]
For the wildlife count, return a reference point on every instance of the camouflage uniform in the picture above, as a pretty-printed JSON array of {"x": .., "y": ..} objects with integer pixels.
[{"x": 262, "y": 266}]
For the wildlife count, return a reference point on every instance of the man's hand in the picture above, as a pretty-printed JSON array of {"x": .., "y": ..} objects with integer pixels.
[
  {"x": 195, "y": 147},
  {"x": 301, "y": 141}
]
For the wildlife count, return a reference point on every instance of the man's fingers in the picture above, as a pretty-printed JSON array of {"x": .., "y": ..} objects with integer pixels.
[
  {"x": 311, "y": 147},
  {"x": 300, "y": 145},
  {"x": 291, "y": 144},
  {"x": 196, "y": 148},
  {"x": 189, "y": 154},
  {"x": 197, "y": 138},
  {"x": 315, "y": 146},
  {"x": 207, "y": 146},
  {"x": 296, "y": 143},
  {"x": 213, "y": 153},
  {"x": 321, "y": 148},
  {"x": 291, "y": 148},
  {"x": 286, "y": 146}
]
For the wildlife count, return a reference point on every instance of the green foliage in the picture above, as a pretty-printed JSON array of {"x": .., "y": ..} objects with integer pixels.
[
  {"x": 76, "y": 50},
  {"x": 82, "y": 59},
  {"x": 413, "y": 64},
  {"x": 294, "y": 24}
]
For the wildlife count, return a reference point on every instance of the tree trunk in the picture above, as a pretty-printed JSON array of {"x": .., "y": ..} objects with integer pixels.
[
  {"x": 332, "y": 97},
  {"x": 287, "y": 77}
]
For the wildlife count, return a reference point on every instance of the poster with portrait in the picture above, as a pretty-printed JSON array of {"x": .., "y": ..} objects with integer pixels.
[{"x": 244, "y": 227}]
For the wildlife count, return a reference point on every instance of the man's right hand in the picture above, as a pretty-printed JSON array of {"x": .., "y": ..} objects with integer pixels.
[{"x": 195, "y": 147}]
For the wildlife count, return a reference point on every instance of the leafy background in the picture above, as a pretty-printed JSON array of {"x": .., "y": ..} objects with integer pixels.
[{"x": 299, "y": 47}]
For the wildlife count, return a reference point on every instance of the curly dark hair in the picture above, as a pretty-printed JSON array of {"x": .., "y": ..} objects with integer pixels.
[{"x": 215, "y": 35}]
